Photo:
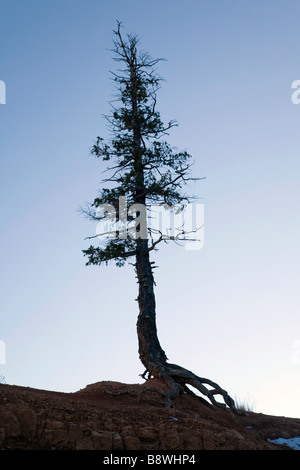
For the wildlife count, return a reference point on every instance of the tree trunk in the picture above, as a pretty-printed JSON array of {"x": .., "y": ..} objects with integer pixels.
[{"x": 151, "y": 354}]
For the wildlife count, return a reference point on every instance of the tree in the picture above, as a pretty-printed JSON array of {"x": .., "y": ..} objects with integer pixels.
[{"x": 145, "y": 170}]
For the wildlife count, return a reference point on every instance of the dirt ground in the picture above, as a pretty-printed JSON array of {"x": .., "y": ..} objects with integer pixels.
[{"x": 109, "y": 416}]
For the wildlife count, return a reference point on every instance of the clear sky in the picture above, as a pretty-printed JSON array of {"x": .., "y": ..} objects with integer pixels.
[{"x": 229, "y": 312}]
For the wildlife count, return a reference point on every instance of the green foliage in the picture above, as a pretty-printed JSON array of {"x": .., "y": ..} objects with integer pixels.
[
  {"x": 145, "y": 168},
  {"x": 114, "y": 250}
]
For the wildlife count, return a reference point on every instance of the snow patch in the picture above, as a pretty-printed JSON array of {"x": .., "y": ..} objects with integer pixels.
[{"x": 293, "y": 442}]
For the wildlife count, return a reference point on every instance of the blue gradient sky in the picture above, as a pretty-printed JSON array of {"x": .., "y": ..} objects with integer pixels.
[{"x": 230, "y": 311}]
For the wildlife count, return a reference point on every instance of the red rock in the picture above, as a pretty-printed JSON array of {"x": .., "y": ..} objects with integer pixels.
[{"x": 92, "y": 419}]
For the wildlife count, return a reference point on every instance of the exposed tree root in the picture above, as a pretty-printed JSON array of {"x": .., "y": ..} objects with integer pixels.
[
  {"x": 178, "y": 380},
  {"x": 122, "y": 392},
  {"x": 133, "y": 394}
]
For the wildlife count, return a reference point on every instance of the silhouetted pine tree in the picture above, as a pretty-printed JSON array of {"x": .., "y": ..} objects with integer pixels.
[{"x": 145, "y": 170}]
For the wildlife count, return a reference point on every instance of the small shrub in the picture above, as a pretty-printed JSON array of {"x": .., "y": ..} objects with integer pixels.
[{"x": 245, "y": 404}]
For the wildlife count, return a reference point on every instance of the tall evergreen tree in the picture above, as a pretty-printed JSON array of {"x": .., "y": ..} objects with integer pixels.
[{"x": 145, "y": 170}]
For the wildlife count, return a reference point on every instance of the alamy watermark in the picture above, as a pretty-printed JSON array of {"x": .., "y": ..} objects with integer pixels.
[
  {"x": 180, "y": 223},
  {"x": 2, "y": 92},
  {"x": 2, "y": 352},
  {"x": 296, "y": 351},
  {"x": 296, "y": 94}
]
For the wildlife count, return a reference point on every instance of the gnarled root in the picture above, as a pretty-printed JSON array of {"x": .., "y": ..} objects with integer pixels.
[{"x": 179, "y": 378}]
